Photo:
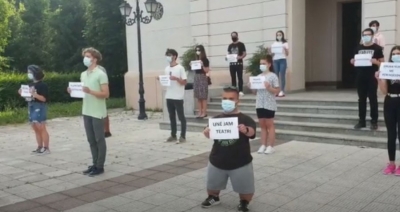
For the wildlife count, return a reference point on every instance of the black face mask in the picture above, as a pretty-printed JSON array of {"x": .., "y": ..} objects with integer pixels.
[{"x": 234, "y": 39}]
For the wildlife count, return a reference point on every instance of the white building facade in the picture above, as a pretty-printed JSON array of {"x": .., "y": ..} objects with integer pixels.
[{"x": 321, "y": 34}]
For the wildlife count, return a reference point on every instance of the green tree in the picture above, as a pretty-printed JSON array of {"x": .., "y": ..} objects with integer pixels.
[
  {"x": 6, "y": 11},
  {"x": 67, "y": 24},
  {"x": 105, "y": 31},
  {"x": 30, "y": 43}
]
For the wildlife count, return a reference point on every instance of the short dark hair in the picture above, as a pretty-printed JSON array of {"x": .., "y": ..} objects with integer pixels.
[
  {"x": 374, "y": 22},
  {"x": 369, "y": 30},
  {"x": 232, "y": 89},
  {"x": 36, "y": 71},
  {"x": 172, "y": 52},
  {"x": 234, "y": 32}
]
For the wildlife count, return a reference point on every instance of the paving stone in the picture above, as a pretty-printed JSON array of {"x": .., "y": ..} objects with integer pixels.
[
  {"x": 88, "y": 208},
  {"x": 274, "y": 199},
  {"x": 376, "y": 206},
  {"x": 138, "y": 194},
  {"x": 328, "y": 208},
  {"x": 302, "y": 206},
  {"x": 66, "y": 204},
  {"x": 113, "y": 202},
  {"x": 159, "y": 199},
  {"x": 137, "y": 205}
]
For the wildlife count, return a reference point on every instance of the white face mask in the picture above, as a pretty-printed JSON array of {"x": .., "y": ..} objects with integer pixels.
[
  {"x": 169, "y": 59},
  {"x": 198, "y": 52},
  {"x": 279, "y": 37},
  {"x": 374, "y": 29},
  {"x": 87, "y": 61}
]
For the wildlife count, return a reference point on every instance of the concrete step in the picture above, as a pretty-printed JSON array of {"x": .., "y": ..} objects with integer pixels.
[
  {"x": 289, "y": 135},
  {"x": 312, "y": 109},
  {"x": 343, "y": 129},
  {"x": 306, "y": 117},
  {"x": 298, "y": 101}
]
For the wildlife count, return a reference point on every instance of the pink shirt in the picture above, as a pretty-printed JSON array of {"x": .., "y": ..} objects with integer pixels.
[{"x": 379, "y": 39}]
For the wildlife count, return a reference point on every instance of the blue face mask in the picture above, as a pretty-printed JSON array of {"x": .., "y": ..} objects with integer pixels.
[
  {"x": 366, "y": 38},
  {"x": 169, "y": 59},
  {"x": 396, "y": 58},
  {"x": 30, "y": 76},
  {"x": 263, "y": 68},
  {"x": 228, "y": 105}
]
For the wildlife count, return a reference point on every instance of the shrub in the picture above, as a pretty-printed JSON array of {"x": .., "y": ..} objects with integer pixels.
[
  {"x": 254, "y": 62},
  {"x": 58, "y": 83},
  {"x": 187, "y": 56}
]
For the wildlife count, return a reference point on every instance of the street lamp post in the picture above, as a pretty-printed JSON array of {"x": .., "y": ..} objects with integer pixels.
[{"x": 156, "y": 11}]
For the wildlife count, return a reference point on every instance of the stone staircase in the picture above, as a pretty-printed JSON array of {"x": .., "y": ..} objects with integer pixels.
[{"x": 312, "y": 120}]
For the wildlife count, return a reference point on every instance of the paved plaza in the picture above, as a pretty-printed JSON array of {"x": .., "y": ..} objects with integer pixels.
[{"x": 145, "y": 174}]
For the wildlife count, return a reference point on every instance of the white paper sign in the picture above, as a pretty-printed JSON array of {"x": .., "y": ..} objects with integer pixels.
[
  {"x": 277, "y": 49},
  {"x": 76, "y": 89},
  {"x": 390, "y": 71},
  {"x": 232, "y": 58},
  {"x": 362, "y": 60},
  {"x": 26, "y": 91},
  {"x": 165, "y": 80},
  {"x": 195, "y": 65},
  {"x": 224, "y": 128},
  {"x": 257, "y": 82}
]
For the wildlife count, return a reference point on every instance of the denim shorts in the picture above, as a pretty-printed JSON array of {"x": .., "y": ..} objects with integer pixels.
[{"x": 37, "y": 112}]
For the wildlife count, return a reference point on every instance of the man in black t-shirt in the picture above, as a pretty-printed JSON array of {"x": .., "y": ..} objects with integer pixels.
[
  {"x": 238, "y": 48},
  {"x": 231, "y": 158},
  {"x": 367, "y": 84}
]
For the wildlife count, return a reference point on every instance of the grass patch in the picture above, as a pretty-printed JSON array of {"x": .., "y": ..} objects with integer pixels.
[{"x": 56, "y": 110}]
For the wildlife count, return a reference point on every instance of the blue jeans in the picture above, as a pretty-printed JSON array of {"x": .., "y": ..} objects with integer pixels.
[
  {"x": 37, "y": 112},
  {"x": 280, "y": 70}
]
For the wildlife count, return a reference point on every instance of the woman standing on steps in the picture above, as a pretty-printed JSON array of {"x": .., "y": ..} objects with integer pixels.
[
  {"x": 201, "y": 81},
  {"x": 266, "y": 105},
  {"x": 280, "y": 50},
  {"x": 391, "y": 111}
]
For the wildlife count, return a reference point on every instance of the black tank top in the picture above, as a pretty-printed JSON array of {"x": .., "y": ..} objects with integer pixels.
[{"x": 393, "y": 86}]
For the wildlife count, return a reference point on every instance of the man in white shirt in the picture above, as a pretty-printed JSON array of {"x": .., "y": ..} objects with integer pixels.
[{"x": 175, "y": 94}]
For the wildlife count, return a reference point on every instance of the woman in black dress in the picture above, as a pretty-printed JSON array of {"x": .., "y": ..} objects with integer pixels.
[{"x": 201, "y": 81}]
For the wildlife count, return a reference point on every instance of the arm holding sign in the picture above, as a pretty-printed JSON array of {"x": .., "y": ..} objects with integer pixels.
[
  {"x": 248, "y": 128},
  {"x": 183, "y": 77},
  {"x": 273, "y": 85},
  {"x": 104, "y": 92},
  {"x": 382, "y": 83}
]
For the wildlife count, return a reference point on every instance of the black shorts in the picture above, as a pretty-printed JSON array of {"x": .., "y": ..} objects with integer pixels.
[{"x": 265, "y": 113}]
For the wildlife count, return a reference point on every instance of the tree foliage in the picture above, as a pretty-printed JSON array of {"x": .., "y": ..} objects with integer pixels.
[{"x": 52, "y": 34}]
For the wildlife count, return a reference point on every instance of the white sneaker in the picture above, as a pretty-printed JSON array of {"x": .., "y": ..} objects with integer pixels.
[
  {"x": 241, "y": 93},
  {"x": 269, "y": 150},
  {"x": 262, "y": 149},
  {"x": 281, "y": 94}
]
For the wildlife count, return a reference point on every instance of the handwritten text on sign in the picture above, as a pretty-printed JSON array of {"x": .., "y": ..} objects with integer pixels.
[
  {"x": 224, "y": 128},
  {"x": 195, "y": 65},
  {"x": 390, "y": 71},
  {"x": 362, "y": 60},
  {"x": 257, "y": 82},
  {"x": 76, "y": 90},
  {"x": 25, "y": 91},
  {"x": 232, "y": 58},
  {"x": 165, "y": 80}
]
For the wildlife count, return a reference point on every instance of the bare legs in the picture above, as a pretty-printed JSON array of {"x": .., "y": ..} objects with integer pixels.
[
  {"x": 202, "y": 105},
  {"x": 42, "y": 136},
  {"x": 267, "y": 132}
]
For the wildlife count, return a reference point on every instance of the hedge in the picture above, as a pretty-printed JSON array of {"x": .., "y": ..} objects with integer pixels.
[{"x": 57, "y": 83}]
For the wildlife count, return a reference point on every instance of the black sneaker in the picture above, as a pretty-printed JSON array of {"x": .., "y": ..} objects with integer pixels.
[
  {"x": 243, "y": 206},
  {"x": 360, "y": 125},
  {"x": 210, "y": 201},
  {"x": 107, "y": 134},
  {"x": 88, "y": 170},
  {"x": 96, "y": 171},
  {"x": 374, "y": 126}
]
